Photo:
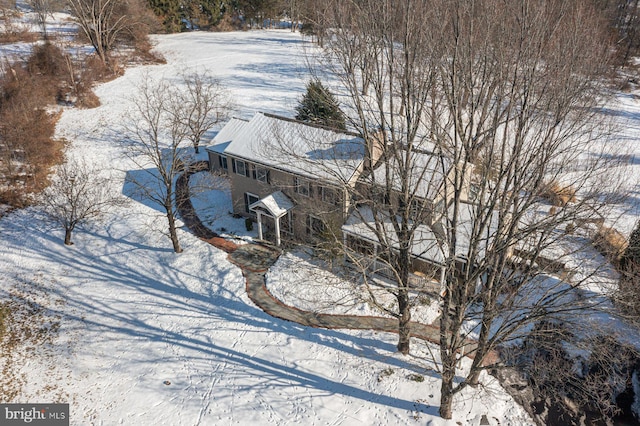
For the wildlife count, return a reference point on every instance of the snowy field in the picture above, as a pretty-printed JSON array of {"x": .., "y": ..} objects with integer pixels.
[{"x": 145, "y": 336}]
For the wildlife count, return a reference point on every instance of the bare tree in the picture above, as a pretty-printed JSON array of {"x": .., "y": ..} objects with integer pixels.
[
  {"x": 314, "y": 17},
  {"x": 77, "y": 195},
  {"x": 623, "y": 18},
  {"x": 106, "y": 23},
  {"x": 4, "y": 6},
  {"x": 101, "y": 21},
  {"x": 159, "y": 132},
  {"x": 206, "y": 103},
  {"x": 481, "y": 106},
  {"x": 43, "y": 9},
  {"x": 293, "y": 11}
]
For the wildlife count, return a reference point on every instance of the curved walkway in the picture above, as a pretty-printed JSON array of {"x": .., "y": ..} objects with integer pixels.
[{"x": 255, "y": 259}]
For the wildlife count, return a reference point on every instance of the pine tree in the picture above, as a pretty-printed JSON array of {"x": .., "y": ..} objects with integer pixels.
[
  {"x": 629, "y": 286},
  {"x": 168, "y": 11},
  {"x": 319, "y": 106}
]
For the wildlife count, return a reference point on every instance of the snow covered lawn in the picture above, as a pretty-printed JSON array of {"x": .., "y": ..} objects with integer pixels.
[
  {"x": 299, "y": 281},
  {"x": 149, "y": 337}
]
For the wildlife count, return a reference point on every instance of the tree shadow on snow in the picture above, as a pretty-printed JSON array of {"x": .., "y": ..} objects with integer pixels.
[{"x": 138, "y": 289}]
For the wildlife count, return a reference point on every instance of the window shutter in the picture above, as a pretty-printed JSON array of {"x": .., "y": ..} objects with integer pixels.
[{"x": 233, "y": 164}]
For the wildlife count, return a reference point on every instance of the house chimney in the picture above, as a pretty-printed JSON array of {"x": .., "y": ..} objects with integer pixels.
[{"x": 375, "y": 146}]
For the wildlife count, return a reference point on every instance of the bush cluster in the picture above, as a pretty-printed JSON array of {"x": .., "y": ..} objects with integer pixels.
[
  {"x": 28, "y": 91},
  {"x": 558, "y": 195}
]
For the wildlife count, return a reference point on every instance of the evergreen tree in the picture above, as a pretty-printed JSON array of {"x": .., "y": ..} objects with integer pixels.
[
  {"x": 319, "y": 106},
  {"x": 631, "y": 256},
  {"x": 629, "y": 287},
  {"x": 180, "y": 15},
  {"x": 168, "y": 11}
]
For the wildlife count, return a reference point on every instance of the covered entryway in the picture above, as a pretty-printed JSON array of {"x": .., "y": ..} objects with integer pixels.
[{"x": 275, "y": 206}]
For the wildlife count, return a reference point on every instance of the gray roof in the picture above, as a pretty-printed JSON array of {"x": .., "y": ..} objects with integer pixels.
[
  {"x": 426, "y": 172},
  {"x": 424, "y": 245},
  {"x": 295, "y": 147},
  {"x": 224, "y": 137}
]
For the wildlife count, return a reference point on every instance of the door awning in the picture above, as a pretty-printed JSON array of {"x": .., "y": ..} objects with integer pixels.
[{"x": 276, "y": 205}]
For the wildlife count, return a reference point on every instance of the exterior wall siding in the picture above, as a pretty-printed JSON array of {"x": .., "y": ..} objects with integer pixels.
[
  {"x": 215, "y": 161},
  {"x": 315, "y": 204}
]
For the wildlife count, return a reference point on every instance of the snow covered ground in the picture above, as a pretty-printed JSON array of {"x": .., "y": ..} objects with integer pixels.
[
  {"x": 297, "y": 280},
  {"x": 145, "y": 336}
]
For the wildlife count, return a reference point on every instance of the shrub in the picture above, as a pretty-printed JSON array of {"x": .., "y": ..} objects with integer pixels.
[
  {"x": 85, "y": 73},
  {"x": 610, "y": 243},
  {"x": 226, "y": 24},
  {"x": 12, "y": 32},
  {"x": 571, "y": 378},
  {"x": 47, "y": 59},
  {"x": 88, "y": 100},
  {"x": 557, "y": 194},
  {"x": 26, "y": 128},
  {"x": 385, "y": 373},
  {"x": 416, "y": 378},
  {"x": 248, "y": 223},
  {"x": 146, "y": 22},
  {"x": 570, "y": 228}
]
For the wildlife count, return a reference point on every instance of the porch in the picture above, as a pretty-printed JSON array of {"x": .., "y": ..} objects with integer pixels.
[{"x": 273, "y": 216}]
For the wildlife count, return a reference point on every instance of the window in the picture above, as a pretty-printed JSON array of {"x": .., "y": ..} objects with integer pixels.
[
  {"x": 380, "y": 197},
  {"x": 360, "y": 246},
  {"x": 222, "y": 159},
  {"x": 261, "y": 174},
  {"x": 302, "y": 187},
  {"x": 242, "y": 168},
  {"x": 315, "y": 226},
  {"x": 249, "y": 199},
  {"x": 328, "y": 195},
  {"x": 416, "y": 209},
  {"x": 474, "y": 191}
]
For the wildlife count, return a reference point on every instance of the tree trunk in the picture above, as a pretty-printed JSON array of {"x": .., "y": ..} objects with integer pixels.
[
  {"x": 474, "y": 376},
  {"x": 447, "y": 357},
  {"x": 446, "y": 394},
  {"x": 173, "y": 234},
  {"x": 404, "y": 326},
  {"x": 481, "y": 351},
  {"x": 67, "y": 236}
]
